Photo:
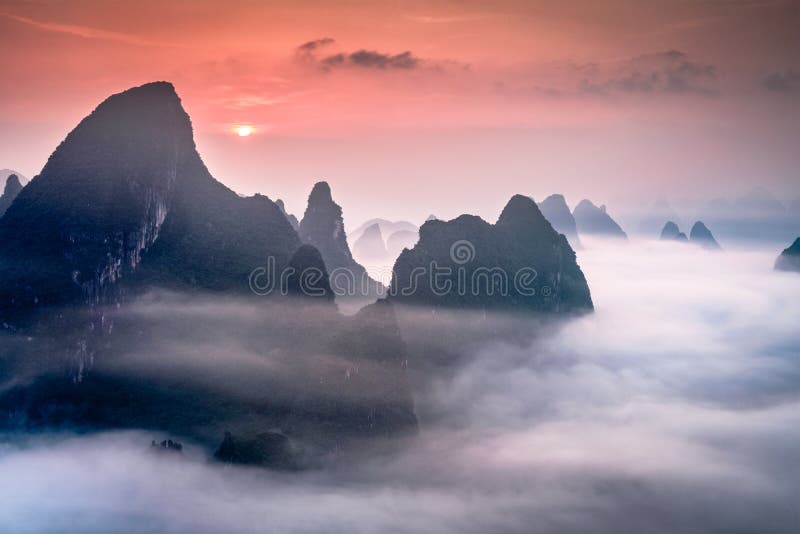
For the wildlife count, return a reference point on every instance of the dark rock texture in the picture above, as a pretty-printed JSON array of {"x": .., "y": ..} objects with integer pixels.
[
  {"x": 323, "y": 227},
  {"x": 10, "y": 192},
  {"x": 126, "y": 192},
  {"x": 555, "y": 210},
  {"x": 700, "y": 235},
  {"x": 520, "y": 263},
  {"x": 595, "y": 221},
  {"x": 789, "y": 260},
  {"x": 291, "y": 218}
]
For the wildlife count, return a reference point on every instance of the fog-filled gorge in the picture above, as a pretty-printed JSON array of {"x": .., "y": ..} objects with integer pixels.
[{"x": 674, "y": 407}]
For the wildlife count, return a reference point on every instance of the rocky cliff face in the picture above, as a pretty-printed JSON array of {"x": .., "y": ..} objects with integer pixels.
[
  {"x": 291, "y": 218},
  {"x": 99, "y": 202},
  {"x": 789, "y": 260},
  {"x": 322, "y": 226},
  {"x": 700, "y": 235},
  {"x": 555, "y": 210},
  {"x": 126, "y": 178},
  {"x": 10, "y": 192},
  {"x": 519, "y": 263},
  {"x": 592, "y": 220}
]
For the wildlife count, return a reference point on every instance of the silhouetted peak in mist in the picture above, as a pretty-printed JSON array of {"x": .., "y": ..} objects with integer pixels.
[
  {"x": 760, "y": 200},
  {"x": 10, "y": 192},
  {"x": 555, "y": 210},
  {"x": 789, "y": 260},
  {"x": 702, "y": 236},
  {"x": 593, "y": 220},
  {"x": 323, "y": 227},
  {"x": 671, "y": 232},
  {"x": 486, "y": 265}
]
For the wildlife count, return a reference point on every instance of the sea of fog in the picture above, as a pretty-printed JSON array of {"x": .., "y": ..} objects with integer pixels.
[{"x": 675, "y": 407}]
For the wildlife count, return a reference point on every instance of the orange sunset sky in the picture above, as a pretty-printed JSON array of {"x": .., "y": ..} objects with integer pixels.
[{"x": 416, "y": 107}]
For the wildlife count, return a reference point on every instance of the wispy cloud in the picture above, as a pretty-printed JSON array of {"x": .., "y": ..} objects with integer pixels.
[{"x": 86, "y": 32}]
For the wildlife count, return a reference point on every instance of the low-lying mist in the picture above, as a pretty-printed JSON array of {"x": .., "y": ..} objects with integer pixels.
[{"x": 675, "y": 407}]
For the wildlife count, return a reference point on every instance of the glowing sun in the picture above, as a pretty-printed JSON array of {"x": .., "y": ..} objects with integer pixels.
[{"x": 243, "y": 130}]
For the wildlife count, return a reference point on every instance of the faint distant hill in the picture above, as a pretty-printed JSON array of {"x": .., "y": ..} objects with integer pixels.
[
  {"x": 370, "y": 245},
  {"x": 10, "y": 191},
  {"x": 653, "y": 220},
  {"x": 555, "y": 210},
  {"x": 595, "y": 221},
  {"x": 399, "y": 240},
  {"x": 4, "y": 173},
  {"x": 387, "y": 228},
  {"x": 757, "y": 216},
  {"x": 759, "y": 200}
]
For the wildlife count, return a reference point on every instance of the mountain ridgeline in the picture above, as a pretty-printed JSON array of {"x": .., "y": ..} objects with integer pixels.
[
  {"x": 126, "y": 192},
  {"x": 10, "y": 192},
  {"x": 520, "y": 263},
  {"x": 594, "y": 221}
]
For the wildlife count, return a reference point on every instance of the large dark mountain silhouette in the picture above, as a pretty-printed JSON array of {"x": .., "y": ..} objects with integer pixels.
[
  {"x": 125, "y": 212},
  {"x": 10, "y": 192},
  {"x": 127, "y": 183},
  {"x": 555, "y": 210},
  {"x": 595, "y": 221},
  {"x": 520, "y": 264},
  {"x": 323, "y": 227},
  {"x": 789, "y": 260}
]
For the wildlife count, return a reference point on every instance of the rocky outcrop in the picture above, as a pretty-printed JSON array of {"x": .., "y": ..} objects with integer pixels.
[
  {"x": 308, "y": 276},
  {"x": 789, "y": 260},
  {"x": 323, "y": 227},
  {"x": 10, "y": 192},
  {"x": 370, "y": 245},
  {"x": 519, "y": 263},
  {"x": 267, "y": 449},
  {"x": 671, "y": 232},
  {"x": 593, "y": 221},
  {"x": 701, "y": 235},
  {"x": 289, "y": 217},
  {"x": 555, "y": 210}
]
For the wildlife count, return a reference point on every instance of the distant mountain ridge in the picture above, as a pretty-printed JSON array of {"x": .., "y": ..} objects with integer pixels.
[
  {"x": 595, "y": 221},
  {"x": 555, "y": 210}
]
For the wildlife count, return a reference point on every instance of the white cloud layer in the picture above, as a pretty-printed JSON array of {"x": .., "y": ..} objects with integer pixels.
[{"x": 674, "y": 408}]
